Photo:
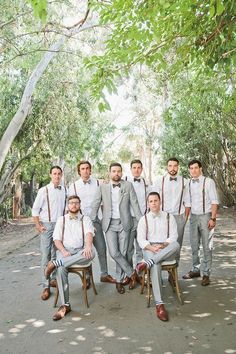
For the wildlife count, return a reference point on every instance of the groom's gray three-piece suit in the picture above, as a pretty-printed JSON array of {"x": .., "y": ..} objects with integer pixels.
[{"x": 117, "y": 231}]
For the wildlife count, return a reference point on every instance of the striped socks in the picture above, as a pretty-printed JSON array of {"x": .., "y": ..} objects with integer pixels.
[
  {"x": 149, "y": 262},
  {"x": 57, "y": 263}
]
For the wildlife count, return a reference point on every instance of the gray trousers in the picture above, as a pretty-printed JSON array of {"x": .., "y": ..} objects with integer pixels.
[
  {"x": 62, "y": 272},
  {"x": 199, "y": 232},
  {"x": 48, "y": 250},
  {"x": 100, "y": 245},
  {"x": 132, "y": 241},
  {"x": 117, "y": 243},
  {"x": 180, "y": 221},
  {"x": 166, "y": 254}
]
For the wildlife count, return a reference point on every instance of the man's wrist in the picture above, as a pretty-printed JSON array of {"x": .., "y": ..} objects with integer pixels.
[{"x": 213, "y": 219}]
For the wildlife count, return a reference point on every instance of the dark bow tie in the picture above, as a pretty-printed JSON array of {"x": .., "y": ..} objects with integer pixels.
[
  {"x": 87, "y": 182},
  {"x": 173, "y": 178},
  {"x": 137, "y": 180},
  {"x": 57, "y": 187},
  {"x": 73, "y": 217},
  {"x": 116, "y": 185},
  {"x": 195, "y": 180}
]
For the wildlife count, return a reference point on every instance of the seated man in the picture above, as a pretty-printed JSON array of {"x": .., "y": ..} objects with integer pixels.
[
  {"x": 73, "y": 237},
  {"x": 157, "y": 236}
]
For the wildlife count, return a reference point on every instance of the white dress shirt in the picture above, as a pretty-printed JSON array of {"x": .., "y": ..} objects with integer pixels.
[
  {"x": 142, "y": 192},
  {"x": 172, "y": 193},
  {"x": 57, "y": 199},
  {"x": 73, "y": 235},
  {"x": 86, "y": 192},
  {"x": 157, "y": 229},
  {"x": 115, "y": 202},
  {"x": 194, "y": 195}
]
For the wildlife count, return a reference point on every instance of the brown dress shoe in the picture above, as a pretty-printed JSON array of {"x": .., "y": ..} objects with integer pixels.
[
  {"x": 107, "y": 279},
  {"x": 141, "y": 267},
  {"x": 49, "y": 269},
  {"x": 191, "y": 275},
  {"x": 53, "y": 283},
  {"x": 61, "y": 312},
  {"x": 133, "y": 280},
  {"x": 205, "y": 280},
  {"x": 120, "y": 288},
  {"x": 161, "y": 312},
  {"x": 45, "y": 294},
  {"x": 126, "y": 281}
]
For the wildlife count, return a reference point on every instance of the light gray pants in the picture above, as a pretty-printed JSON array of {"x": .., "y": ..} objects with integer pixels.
[
  {"x": 132, "y": 241},
  {"x": 62, "y": 272},
  {"x": 167, "y": 253},
  {"x": 117, "y": 243},
  {"x": 100, "y": 245},
  {"x": 199, "y": 232},
  {"x": 48, "y": 250},
  {"x": 180, "y": 221}
]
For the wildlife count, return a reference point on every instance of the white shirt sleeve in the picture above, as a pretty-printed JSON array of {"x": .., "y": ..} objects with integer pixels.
[
  {"x": 57, "y": 233},
  {"x": 212, "y": 192},
  {"x": 186, "y": 197},
  {"x": 88, "y": 226},
  {"x": 38, "y": 203},
  {"x": 141, "y": 233}
]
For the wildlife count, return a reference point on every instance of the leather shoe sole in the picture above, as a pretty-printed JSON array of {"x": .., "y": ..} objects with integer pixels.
[
  {"x": 45, "y": 294},
  {"x": 61, "y": 312},
  {"x": 107, "y": 279},
  {"x": 191, "y": 275}
]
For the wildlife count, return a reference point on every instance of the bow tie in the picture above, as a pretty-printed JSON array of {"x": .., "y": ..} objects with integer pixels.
[
  {"x": 154, "y": 216},
  {"x": 173, "y": 178},
  {"x": 116, "y": 185},
  {"x": 72, "y": 217},
  {"x": 87, "y": 182},
  {"x": 57, "y": 187},
  {"x": 137, "y": 180},
  {"x": 195, "y": 180}
]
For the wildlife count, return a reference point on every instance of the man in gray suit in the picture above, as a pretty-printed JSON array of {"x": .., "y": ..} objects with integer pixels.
[{"x": 116, "y": 197}]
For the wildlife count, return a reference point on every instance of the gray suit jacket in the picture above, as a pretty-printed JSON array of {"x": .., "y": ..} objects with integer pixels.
[{"x": 127, "y": 198}]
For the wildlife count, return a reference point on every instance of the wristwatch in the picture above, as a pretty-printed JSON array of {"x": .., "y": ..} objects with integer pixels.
[{"x": 213, "y": 219}]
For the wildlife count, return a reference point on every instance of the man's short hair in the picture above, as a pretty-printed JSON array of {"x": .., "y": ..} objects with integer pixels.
[
  {"x": 153, "y": 193},
  {"x": 74, "y": 197},
  {"x": 192, "y": 162},
  {"x": 56, "y": 167},
  {"x": 115, "y": 164},
  {"x": 136, "y": 161},
  {"x": 173, "y": 159},
  {"x": 83, "y": 162}
]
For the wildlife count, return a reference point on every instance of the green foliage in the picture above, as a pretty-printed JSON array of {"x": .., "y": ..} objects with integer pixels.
[{"x": 40, "y": 9}]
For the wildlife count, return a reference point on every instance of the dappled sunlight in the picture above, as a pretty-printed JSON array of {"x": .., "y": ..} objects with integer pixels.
[
  {"x": 81, "y": 338},
  {"x": 202, "y": 315},
  {"x": 76, "y": 319},
  {"x": 230, "y": 351},
  {"x": 29, "y": 254},
  {"x": 38, "y": 323},
  {"x": 53, "y": 331},
  {"x": 16, "y": 271}
]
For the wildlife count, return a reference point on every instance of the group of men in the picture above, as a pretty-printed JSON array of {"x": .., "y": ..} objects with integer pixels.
[{"x": 140, "y": 222}]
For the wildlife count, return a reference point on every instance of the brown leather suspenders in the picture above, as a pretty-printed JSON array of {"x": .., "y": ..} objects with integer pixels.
[
  {"x": 49, "y": 211},
  {"x": 203, "y": 194},
  {"x": 63, "y": 229},
  {"x": 168, "y": 225},
  {"x": 181, "y": 197}
]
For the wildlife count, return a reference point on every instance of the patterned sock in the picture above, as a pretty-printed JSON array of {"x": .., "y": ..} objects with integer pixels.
[
  {"x": 57, "y": 263},
  {"x": 149, "y": 262}
]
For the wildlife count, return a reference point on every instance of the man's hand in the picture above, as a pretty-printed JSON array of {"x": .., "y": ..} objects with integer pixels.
[
  {"x": 87, "y": 252},
  {"x": 65, "y": 253},
  {"x": 40, "y": 228},
  {"x": 156, "y": 248},
  {"x": 211, "y": 224}
]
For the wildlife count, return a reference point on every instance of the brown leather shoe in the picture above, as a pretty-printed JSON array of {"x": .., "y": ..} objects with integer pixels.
[
  {"x": 161, "y": 312},
  {"x": 205, "y": 280},
  {"x": 45, "y": 294},
  {"x": 49, "y": 269},
  {"x": 61, "y": 312},
  {"x": 107, "y": 279},
  {"x": 120, "y": 288},
  {"x": 126, "y": 281},
  {"x": 141, "y": 267},
  {"x": 133, "y": 280},
  {"x": 53, "y": 283},
  {"x": 191, "y": 275}
]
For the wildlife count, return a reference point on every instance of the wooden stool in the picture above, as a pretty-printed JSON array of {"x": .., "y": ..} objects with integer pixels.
[
  {"x": 171, "y": 268},
  {"x": 81, "y": 271}
]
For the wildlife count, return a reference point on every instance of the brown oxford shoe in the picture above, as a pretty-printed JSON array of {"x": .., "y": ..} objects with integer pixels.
[
  {"x": 126, "y": 281},
  {"x": 107, "y": 279},
  {"x": 61, "y": 312},
  {"x": 161, "y": 312},
  {"x": 49, "y": 269},
  {"x": 140, "y": 267},
  {"x": 133, "y": 280},
  {"x": 191, "y": 275},
  {"x": 120, "y": 288},
  {"x": 205, "y": 280},
  {"x": 45, "y": 294},
  {"x": 53, "y": 283}
]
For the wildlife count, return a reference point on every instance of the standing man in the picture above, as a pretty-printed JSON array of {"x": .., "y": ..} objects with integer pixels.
[
  {"x": 157, "y": 236},
  {"x": 141, "y": 190},
  {"x": 203, "y": 201},
  {"x": 172, "y": 189},
  {"x": 48, "y": 206},
  {"x": 86, "y": 187},
  {"x": 117, "y": 196},
  {"x": 73, "y": 237}
]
